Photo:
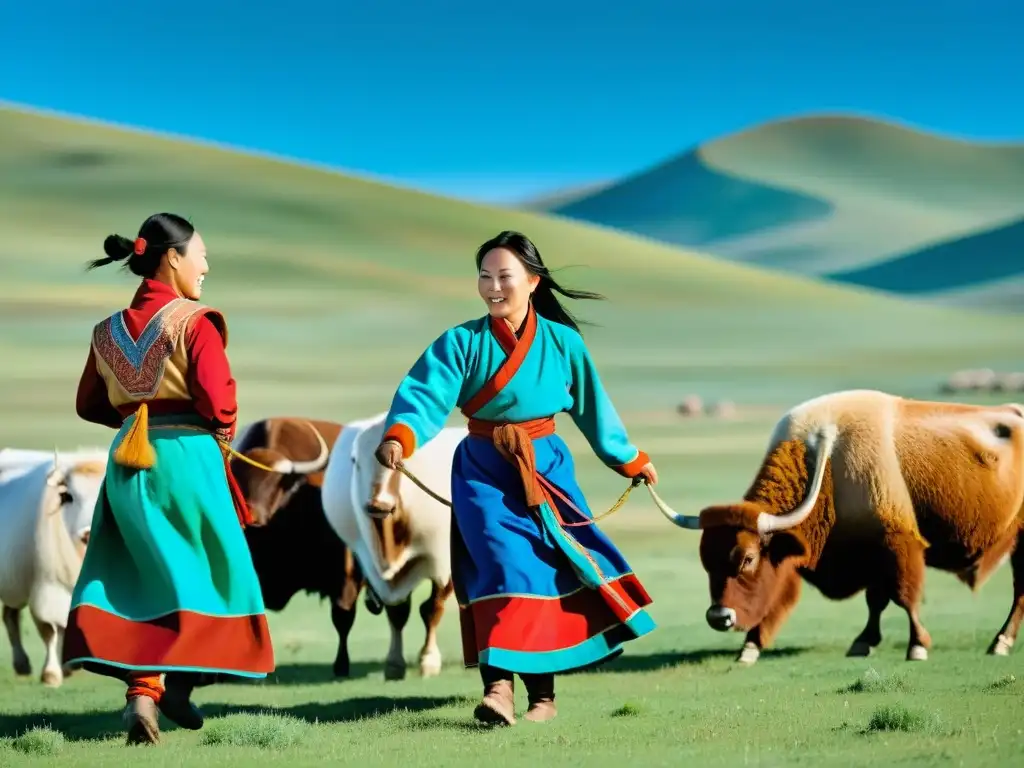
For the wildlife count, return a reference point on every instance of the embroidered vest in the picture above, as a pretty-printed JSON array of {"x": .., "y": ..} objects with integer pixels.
[{"x": 155, "y": 366}]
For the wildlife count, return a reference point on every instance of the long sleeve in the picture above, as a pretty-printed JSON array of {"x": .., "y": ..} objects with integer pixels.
[
  {"x": 595, "y": 416},
  {"x": 209, "y": 378},
  {"x": 428, "y": 393},
  {"x": 91, "y": 402}
]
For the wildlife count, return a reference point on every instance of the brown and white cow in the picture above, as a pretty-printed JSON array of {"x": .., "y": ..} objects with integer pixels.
[
  {"x": 861, "y": 490},
  {"x": 399, "y": 534},
  {"x": 292, "y": 546}
]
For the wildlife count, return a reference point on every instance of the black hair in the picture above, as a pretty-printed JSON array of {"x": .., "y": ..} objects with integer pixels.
[
  {"x": 161, "y": 232},
  {"x": 545, "y": 302}
]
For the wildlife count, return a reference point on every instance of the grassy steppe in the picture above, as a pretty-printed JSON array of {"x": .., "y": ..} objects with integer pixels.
[{"x": 332, "y": 286}]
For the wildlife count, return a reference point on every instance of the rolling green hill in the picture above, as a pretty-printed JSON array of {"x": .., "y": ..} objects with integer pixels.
[
  {"x": 332, "y": 286},
  {"x": 837, "y": 197}
]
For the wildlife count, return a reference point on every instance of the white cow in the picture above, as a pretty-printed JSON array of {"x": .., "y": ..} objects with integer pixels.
[
  {"x": 46, "y": 509},
  {"x": 411, "y": 544}
]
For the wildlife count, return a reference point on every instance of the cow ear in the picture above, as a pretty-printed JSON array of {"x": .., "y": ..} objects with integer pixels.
[{"x": 785, "y": 544}]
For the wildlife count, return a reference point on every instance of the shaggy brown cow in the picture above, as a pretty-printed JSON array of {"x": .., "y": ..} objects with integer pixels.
[
  {"x": 861, "y": 490},
  {"x": 292, "y": 545}
]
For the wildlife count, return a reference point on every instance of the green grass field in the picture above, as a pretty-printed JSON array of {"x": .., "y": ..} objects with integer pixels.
[
  {"x": 332, "y": 286},
  {"x": 858, "y": 200}
]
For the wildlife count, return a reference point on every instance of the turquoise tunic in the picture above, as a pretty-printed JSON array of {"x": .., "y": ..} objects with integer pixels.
[{"x": 536, "y": 593}]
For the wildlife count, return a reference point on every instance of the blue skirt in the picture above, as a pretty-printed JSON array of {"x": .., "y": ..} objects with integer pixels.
[{"x": 535, "y": 596}]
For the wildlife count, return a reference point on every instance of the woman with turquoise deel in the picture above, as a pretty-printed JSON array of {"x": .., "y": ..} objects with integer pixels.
[{"x": 540, "y": 590}]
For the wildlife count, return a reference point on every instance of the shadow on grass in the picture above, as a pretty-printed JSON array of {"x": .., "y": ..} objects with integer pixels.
[
  {"x": 317, "y": 674},
  {"x": 89, "y": 726},
  {"x": 652, "y": 662},
  {"x": 344, "y": 711}
]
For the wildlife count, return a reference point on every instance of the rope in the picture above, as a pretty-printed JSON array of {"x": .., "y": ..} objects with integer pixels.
[
  {"x": 590, "y": 521},
  {"x": 228, "y": 449},
  {"x": 441, "y": 500}
]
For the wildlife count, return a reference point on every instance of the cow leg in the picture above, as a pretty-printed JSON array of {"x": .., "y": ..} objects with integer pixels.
[
  {"x": 761, "y": 636},
  {"x": 52, "y": 675},
  {"x": 870, "y": 637},
  {"x": 906, "y": 587},
  {"x": 343, "y": 616},
  {"x": 431, "y": 611},
  {"x": 12, "y": 623},
  {"x": 1004, "y": 641},
  {"x": 398, "y": 616},
  {"x": 343, "y": 621}
]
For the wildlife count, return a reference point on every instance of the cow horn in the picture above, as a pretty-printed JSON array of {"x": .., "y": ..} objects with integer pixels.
[
  {"x": 691, "y": 522},
  {"x": 767, "y": 522},
  {"x": 287, "y": 467},
  {"x": 54, "y": 470}
]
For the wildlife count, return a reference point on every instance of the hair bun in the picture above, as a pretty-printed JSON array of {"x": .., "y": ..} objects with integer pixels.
[{"x": 117, "y": 247}]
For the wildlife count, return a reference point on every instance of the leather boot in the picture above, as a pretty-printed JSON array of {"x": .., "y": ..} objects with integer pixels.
[
  {"x": 141, "y": 720},
  {"x": 541, "y": 692},
  {"x": 175, "y": 702},
  {"x": 498, "y": 704}
]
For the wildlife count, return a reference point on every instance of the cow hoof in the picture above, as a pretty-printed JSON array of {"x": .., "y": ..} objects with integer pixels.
[
  {"x": 22, "y": 667},
  {"x": 917, "y": 653},
  {"x": 859, "y": 648},
  {"x": 51, "y": 678},
  {"x": 1000, "y": 646},
  {"x": 749, "y": 654},
  {"x": 430, "y": 667},
  {"x": 394, "y": 671},
  {"x": 341, "y": 670}
]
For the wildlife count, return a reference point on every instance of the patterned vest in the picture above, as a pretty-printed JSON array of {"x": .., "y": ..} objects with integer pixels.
[{"x": 155, "y": 366}]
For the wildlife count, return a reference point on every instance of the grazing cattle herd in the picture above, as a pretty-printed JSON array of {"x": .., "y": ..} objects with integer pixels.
[{"x": 857, "y": 491}]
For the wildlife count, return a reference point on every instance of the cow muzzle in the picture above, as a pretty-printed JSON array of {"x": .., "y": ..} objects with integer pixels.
[
  {"x": 720, "y": 618},
  {"x": 379, "y": 511}
]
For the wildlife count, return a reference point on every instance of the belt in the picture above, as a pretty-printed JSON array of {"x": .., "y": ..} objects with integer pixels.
[{"x": 534, "y": 428}]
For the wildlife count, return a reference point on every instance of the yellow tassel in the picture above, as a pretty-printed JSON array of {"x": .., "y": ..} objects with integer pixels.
[{"x": 135, "y": 451}]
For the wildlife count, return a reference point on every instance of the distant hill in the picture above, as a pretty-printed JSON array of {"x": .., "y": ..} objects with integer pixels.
[
  {"x": 836, "y": 197},
  {"x": 333, "y": 285},
  {"x": 562, "y": 196}
]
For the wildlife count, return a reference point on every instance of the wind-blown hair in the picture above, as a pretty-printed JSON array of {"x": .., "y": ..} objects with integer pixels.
[{"x": 545, "y": 302}]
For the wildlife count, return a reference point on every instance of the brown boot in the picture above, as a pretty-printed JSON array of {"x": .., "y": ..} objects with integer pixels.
[
  {"x": 141, "y": 720},
  {"x": 541, "y": 692},
  {"x": 176, "y": 705},
  {"x": 498, "y": 704}
]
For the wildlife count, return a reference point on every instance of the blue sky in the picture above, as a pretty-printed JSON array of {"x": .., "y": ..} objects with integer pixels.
[{"x": 500, "y": 100}]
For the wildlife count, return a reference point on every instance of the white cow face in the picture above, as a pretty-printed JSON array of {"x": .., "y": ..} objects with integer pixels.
[
  {"x": 76, "y": 490},
  {"x": 377, "y": 487}
]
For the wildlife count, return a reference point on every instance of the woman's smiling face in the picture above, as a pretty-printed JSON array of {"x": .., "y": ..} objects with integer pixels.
[{"x": 505, "y": 285}]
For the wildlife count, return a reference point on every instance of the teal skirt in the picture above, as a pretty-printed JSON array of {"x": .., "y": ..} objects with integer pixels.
[{"x": 168, "y": 584}]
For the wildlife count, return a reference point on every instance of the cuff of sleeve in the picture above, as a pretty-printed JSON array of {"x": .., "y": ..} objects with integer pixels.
[
  {"x": 632, "y": 469},
  {"x": 404, "y": 436}
]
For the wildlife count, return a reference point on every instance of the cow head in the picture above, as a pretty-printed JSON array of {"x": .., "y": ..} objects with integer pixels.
[
  {"x": 379, "y": 490},
  {"x": 266, "y": 492},
  {"x": 750, "y": 549},
  {"x": 746, "y": 568},
  {"x": 74, "y": 492}
]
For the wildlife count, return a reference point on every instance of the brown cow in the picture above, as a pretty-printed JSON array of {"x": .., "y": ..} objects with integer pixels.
[
  {"x": 293, "y": 548},
  {"x": 862, "y": 490}
]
